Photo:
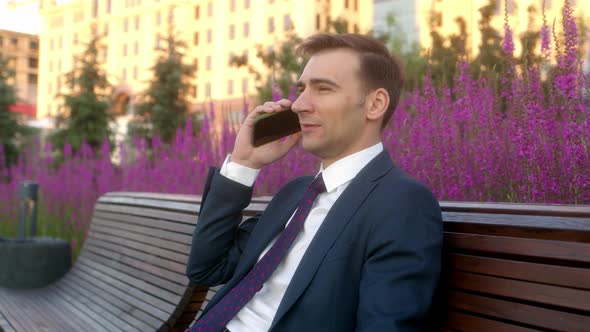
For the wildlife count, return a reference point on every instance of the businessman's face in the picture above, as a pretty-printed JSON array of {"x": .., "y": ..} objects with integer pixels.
[{"x": 331, "y": 105}]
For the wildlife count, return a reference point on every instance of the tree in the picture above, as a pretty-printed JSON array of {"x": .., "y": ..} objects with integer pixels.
[
  {"x": 163, "y": 108},
  {"x": 281, "y": 66},
  {"x": 84, "y": 116},
  {"x": 9, "y": 128}
]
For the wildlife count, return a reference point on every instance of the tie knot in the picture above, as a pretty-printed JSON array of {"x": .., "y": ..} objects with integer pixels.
[{"x": 318, "y": 184}]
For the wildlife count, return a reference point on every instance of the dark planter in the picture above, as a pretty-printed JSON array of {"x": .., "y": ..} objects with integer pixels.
[{"x": 33, "y": 262}]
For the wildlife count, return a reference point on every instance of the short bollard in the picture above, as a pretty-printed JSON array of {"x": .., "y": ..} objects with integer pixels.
[
  {"x": 31, "y": 261},
  {"x": 28, "y": 208}
]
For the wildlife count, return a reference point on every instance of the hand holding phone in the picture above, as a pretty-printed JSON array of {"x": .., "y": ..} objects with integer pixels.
[{"x": 273, "y": 126}]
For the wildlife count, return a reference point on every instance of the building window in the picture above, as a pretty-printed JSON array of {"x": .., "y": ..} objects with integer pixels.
[
  {"x": 137, "y": 21},
  {"x": 33, "y": 63},
  {"x": 210, "y": 9},
  {"x": 246, "y": 29},
  {"x": 232, "y": 31},
  {"x": 125, "y": 50},
  {"x": 230, "y": 87},
  {"x": 106, "y": 29},
  {"x": 124, "y": 74},
  {"x": 170, "y": 16},
  {"x": 196, "y": 38},
  {"x": 95, "y": 9},
  {"x": 1, "y": 40},
  {"x": 232, "y": 5},
  {"x": 157, "y": 41},
  {"x": 246, "y": 4},
  {"x": 75, "y": 39},
  {"x": 197, "y": 12},
  {"x": 208, "y": 62},
  {"x": 317, "y": 21},
  {"x": 209, "y": 36},
  {"x": 135, "y": 72},
  {"x": 271, "y": 24},
  {"x": 32, "y": 78},
  {"x": 14, "y": 42},
  {"x": 108, "y": 6},
  {"x": 208, "y": 90},
  {"x": 158, "y": 18},
  {"x": 196, "y": 64},
  {"x": 286, "y": 22},
  {"x": 136, "y": 48},
  {"x": 245, "y": 85},
  {"x": 356, "y": 5},
  {"x": 346, "y": 4},
  {"x": 126, "y": 24},
  {"x": 33, "y": 44}
]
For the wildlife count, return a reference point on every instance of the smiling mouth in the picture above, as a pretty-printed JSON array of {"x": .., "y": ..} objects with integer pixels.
[{"x": 307, "y": 127}]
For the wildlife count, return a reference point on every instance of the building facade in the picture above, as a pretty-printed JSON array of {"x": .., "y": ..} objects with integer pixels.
[
  {"x": 22, "y": 50},
  {"x": 213, "y": 30},
  {"x": 413, "y": 17}
]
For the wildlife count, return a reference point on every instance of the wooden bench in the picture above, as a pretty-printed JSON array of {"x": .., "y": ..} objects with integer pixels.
[
  {"x": 130, "y": 275},
  {"x": 508, "y": 267}
]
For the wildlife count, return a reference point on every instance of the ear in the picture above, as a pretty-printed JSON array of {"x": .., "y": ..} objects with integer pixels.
[{"x": 378, "y": 102}]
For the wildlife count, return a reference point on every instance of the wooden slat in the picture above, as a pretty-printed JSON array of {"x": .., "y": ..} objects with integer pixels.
[
  {"x": 110, "y": 293},
  {"x": 522, "y": 290},
  {"x": 157, "y": 243},
  {"x": 151, "y": 203},
  {"x": 525, "y": 314},
  {"x": 461, "y": 322},
  {"x": 148, "y": 267},
  {"x": 541, "y": 273},
  {"x": 151, "y": 289},
  {"x": 113, "y": 304},
  {"x": 125, "y": 227},
  {"x": 153, "y": 278},
  {"x": 176, "y": 227},
  {"x": 577, "y": 211},
  {"x": 568, "y": 251},
  {"x": 148, "y": 213},
  {"x": 132, "y": 320},
  {"x": 106, "y": 241}
]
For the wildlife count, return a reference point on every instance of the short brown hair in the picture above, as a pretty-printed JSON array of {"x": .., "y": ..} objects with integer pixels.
[{"x": 379, "y": 68}]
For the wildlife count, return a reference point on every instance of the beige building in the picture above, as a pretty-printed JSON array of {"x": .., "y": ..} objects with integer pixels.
[
  {"x": 22, "y": 50},
  {"x": 413, "y": 17},
  {"x": 213, "y": 31}
]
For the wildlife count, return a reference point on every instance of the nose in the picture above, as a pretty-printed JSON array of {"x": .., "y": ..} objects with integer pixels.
[{"x": 301, "y": 104}]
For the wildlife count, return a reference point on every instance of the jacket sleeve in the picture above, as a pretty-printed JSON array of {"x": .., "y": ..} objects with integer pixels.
[
  {"x": 402, "y": 266},
  {"x": 220, "y": 235}
]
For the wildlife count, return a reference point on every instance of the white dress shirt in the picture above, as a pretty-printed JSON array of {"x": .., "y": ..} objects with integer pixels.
[{"x": 258, "y": 313}]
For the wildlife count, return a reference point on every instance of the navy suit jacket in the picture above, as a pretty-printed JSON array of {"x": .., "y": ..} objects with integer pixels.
[{"x": 372, "y": 266}]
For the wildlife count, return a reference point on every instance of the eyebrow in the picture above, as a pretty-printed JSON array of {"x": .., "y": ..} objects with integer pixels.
[{"x": 317, "y": 81}]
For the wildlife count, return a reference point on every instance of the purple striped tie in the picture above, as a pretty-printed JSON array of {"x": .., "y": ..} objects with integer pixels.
[{"x": 228, "y": 307}]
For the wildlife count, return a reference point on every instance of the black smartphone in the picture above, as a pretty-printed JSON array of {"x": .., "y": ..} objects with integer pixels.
[{"x": 273, "y": 126}]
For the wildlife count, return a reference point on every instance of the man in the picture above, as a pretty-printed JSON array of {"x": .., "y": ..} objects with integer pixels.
[{"x": 358, "y": 248}]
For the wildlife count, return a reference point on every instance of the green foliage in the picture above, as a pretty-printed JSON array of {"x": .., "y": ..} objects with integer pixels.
[
  {"x": 9, "y": 128},
  {"x": 84, "y": 116},
  {"x": 281, "y": 65},
  {"x": 163, "y": 108}
]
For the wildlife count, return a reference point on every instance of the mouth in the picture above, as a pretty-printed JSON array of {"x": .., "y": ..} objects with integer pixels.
[{"x": 309, "y": 127}]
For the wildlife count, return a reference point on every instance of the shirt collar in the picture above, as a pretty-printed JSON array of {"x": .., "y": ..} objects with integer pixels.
[{"x": 345, "y": 169}]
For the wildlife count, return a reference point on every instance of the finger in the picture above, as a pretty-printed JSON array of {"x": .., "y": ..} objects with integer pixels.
[{"x": 285, "y": 103}]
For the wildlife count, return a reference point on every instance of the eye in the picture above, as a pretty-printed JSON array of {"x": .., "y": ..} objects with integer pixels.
[{"x": 324, "y": 88}]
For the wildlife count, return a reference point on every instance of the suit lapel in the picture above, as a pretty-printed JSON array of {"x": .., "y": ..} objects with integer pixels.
[{"x": 339, "y": 216}]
